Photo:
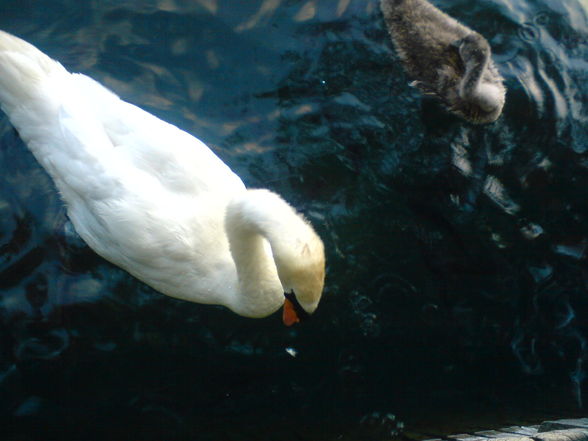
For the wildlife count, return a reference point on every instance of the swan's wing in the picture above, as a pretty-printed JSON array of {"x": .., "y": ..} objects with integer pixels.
[
  {"x": 163, "y": 223},
  {"x": 181, "y": 162}
]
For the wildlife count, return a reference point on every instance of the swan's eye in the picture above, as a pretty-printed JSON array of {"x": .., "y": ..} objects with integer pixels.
[{"x": 293, "y": 311}]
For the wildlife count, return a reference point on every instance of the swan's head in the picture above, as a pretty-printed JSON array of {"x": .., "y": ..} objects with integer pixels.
[
  {"x": 303, "y": 279},
  {"x": 297, "y": 252}
]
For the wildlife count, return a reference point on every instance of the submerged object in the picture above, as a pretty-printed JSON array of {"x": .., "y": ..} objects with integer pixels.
[
  {"x": 446, "y": 59},
  {"x": 155, "y": 200}
]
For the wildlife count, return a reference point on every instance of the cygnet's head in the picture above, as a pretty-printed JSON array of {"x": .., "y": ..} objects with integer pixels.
[
  {"x": 303, "y": 282},
  {"x": 484, "y": 105},
  {"x": 489, "y": 97},
  {"x": 481, "y": 92}
]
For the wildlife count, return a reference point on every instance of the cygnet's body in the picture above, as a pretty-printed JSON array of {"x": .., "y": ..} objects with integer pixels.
[
  {"x": 446, "y": 59},
  {"x": 156, "y": 201}
]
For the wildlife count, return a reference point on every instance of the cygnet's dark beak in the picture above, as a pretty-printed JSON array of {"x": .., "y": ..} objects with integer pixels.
[{"x": 293, "y": 312}]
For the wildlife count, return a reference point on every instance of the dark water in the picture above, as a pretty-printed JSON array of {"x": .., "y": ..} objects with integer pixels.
[{"x": 457, "y": 286}]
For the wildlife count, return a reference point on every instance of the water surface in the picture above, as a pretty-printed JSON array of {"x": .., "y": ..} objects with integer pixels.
[{"x": 457, "y": 281}]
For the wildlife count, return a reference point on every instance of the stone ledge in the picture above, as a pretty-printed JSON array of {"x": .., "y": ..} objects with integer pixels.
[
  {"x": 562, "y": 435},
  {"x": 560, "y": 430},
  {"x": 580, "y": 423}
]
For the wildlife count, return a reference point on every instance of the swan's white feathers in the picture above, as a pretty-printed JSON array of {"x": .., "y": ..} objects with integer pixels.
[
  {"x": 151, "y": 198},
  {"x": 296, "y": 249},
  {"x": 184, "y": 165}
]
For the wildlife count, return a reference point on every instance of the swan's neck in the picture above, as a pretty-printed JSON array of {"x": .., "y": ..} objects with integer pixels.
[
  {"x": 472, "y": 79},
  {"x": 263, "y": 233},
  {"x": 475, "y": 53}
]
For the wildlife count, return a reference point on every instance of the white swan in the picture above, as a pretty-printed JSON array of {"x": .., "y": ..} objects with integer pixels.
[
  {"x": 156, "y": 201},
  {"x": 446, "y": 59}
]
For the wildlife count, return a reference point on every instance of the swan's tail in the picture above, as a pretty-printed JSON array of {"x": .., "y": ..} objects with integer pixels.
[
  {"x": 43, "y": 102},
  {"x": 23, "y": 71}
]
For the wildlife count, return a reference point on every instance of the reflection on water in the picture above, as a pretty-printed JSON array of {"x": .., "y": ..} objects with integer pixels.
[{"x": 456, "y": 255}]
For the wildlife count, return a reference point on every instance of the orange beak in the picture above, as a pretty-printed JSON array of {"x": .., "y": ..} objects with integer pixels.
[{"x": 289, "y": 316}]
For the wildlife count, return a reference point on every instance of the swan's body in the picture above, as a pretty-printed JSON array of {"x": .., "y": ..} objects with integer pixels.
[
  {"x": 446, "y": 59},
  {"x": 153, "y": 199}
]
